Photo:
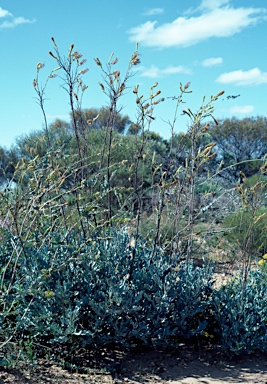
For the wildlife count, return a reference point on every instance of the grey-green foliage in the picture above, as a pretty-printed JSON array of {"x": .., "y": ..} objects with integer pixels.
[
  {"x": 103, "y": 292},
  {"x": 240, "y": 309}
]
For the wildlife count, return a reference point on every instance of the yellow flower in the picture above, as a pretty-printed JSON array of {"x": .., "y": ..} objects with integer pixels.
[
  {"x": 208, "y": 335},
  {"x": 49, "y": 294},
  {"x": 261, "y": 262},
  {"x": 265, "y": 256}
]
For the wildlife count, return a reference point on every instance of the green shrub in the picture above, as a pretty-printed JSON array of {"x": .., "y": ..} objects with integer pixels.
[{"x": 247, "y": 230}]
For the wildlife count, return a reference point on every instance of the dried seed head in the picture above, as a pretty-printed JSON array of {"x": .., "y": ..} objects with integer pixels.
[
  {"x": 51, "y": 54},
  {"x": 102, "y": 86},
  {"x": 146, "y": 106},
  {"x": 220, "y": 94},
  {"x": 158, "y": 101},
  {"x": 90, "y": 121},
  {"x": 114, "y": 61},
  {"x": 215, "y": 121},
  {"x": 82, "y": 61},
  {"x": 77, "y": 55},
  {"x": 34, "y": 83},
  {"x": 155, "y": 94},
  {"x": 76, "y": 96},
  {"x": 135, "y": 90},
  {"x": 239, "y": 189},
  {"x": 186, "y": 113},
  {"x": 40, "y": 66},
  {"x": 71, "y": 47},
  {"x": 155, "y": 85},
  {"x": 135, "y": 59},
  {"x": 116, "y": 74},
  {"x": 187, "y": 85},
  {"x": 210, "y": 145},
  {"x": 83, "y": 71},
  {"x": 122, "y": 87},
  {"x": 54, "y": 42},
  {"x": 98, "y": 62},
  {"x": 263, "y": 167},
  {"x": 205, "y": 128}
]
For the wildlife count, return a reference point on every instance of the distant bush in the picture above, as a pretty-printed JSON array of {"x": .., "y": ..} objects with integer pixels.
[{"x": 246, "y": 230}]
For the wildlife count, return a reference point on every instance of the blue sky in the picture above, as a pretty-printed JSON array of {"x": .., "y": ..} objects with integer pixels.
[{"x": 213, "y": 44}]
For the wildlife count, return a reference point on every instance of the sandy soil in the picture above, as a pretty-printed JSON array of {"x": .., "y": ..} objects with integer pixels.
[{"x": 187, "y": 366}]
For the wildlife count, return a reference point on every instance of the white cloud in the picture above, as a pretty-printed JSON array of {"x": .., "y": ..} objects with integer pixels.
[
  {"x": 156, "y": 72},
  {"x": 242, "y": 109},
  {"x": 215, "y": 20},
  {"x": 12, "y": 21},
  {"x": 212, "y": 61},
  {"x": 252, "y": 77},
  {"x": 211, "y": 4},
  {"x": 4, "y": 13},
  {"x": 178, "y": 69},
  {"x": 153, "y": 11}
]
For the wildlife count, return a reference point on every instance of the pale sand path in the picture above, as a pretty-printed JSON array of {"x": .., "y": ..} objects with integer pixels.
[{"x": 154, "y": 367}]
